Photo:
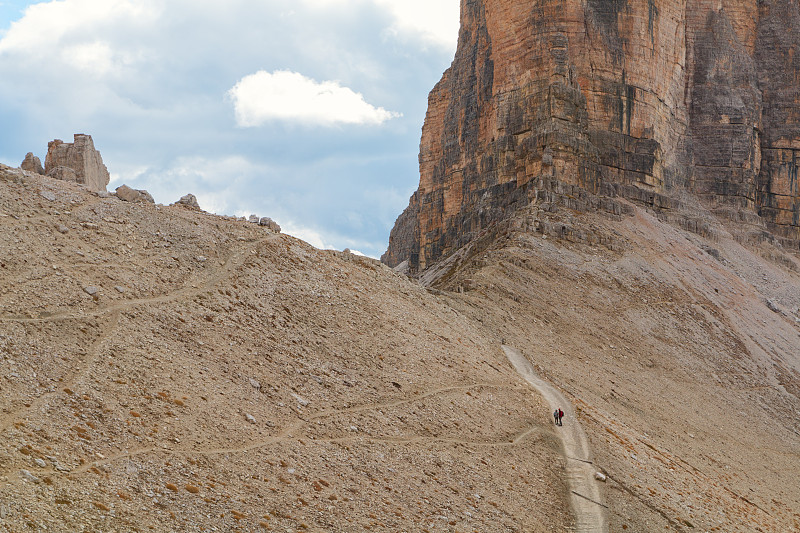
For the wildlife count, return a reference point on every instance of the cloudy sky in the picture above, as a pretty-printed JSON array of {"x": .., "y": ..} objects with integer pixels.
[{"x": 307, "y": 111}]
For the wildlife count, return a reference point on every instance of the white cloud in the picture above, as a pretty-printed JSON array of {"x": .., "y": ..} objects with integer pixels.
[
  {"x": 95, "y": 58},
  {"x": 48, "y": 23},
  {"x": 146, "y": 79},
  {"x": 434, "y": 20},
  {"x": 312, "y": 237},
  {"x": 315, "y": 238},
  {"x": 290, "y": 96}
]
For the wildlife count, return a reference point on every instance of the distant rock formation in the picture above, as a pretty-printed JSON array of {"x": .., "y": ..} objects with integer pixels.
[
  {"x": 269, "y": 224},
  {"x": 635, "y": 98},
  {"x": 134, "y": 195},
  {"x": 188, "y": 200},
  {"x": 32, "y": 164},
  {"x": 77, "y": 161}
]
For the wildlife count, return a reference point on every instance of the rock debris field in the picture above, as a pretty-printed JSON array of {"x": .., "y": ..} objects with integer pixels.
[{"x": 163, "y": 369}]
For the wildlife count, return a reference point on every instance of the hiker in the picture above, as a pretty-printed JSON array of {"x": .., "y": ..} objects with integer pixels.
[
  {"x": 555, "y": 416},
  {"x": 560, "y": 416}
]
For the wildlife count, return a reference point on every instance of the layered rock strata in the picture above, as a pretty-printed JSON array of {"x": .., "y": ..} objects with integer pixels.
[
  {"x": 637, "y": 98},
  {"x": 78, "y": 161}
]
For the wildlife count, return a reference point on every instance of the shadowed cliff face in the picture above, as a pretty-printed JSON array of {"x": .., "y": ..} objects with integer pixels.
[
  {"x": 779, "y": 80},
  {"x": 632, "y": 98}
]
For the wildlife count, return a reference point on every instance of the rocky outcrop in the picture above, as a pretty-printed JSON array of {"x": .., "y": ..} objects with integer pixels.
[
  {"x": 269, "y": 224},
  {"x": 81, "y": 158},
  {"x": 128, "y": 194},
  {"x": 190, "y": 201},
  {"x": 32, "y": 164},
  {"x": 633, "y": 98}
]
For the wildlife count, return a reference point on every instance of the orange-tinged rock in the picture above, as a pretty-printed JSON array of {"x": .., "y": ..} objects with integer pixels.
[{"x": 633, "y": 98}]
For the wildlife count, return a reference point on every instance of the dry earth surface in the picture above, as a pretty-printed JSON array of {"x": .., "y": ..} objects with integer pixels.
[
  {"x": 680, "y": 352},
  {"x": 220, "y": 377},
  {"x": 586, "y": 496},
  {"x": 225, "y": 378}
]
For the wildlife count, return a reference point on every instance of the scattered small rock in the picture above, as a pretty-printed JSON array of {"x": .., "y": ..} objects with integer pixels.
[
  {"x": 40, "y": 462},
  {"x": 120, "y": 289},
  {"x": 48, "y": 195},
  {"x": 250, "y": 418},
  {"x": 91, "y": 290},
  {"x": 61, "y": 228},
  {"x": 255, "y": 384},
  {"x": 302, "y": 401},
  {"x": 201, "y": 258},
  {"x": 599, "y": 476},
  {"x": 773, "y": 306},
  {"x": 253, "y": 219},
  {"x": 27, "y": 476}
]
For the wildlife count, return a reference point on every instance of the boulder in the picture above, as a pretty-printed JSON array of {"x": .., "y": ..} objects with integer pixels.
[
  {"x": 32, "y": 164},
  {"x": 269, "y": 224},
  {"x": 81, "y": 157},
  {"x": 189, "y": 200},
  {"x": 134, "y": 195},
  {"x": 64, "y": 174}
]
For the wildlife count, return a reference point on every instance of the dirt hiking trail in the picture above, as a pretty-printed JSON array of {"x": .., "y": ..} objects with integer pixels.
[{"x": 590, "y": 513}]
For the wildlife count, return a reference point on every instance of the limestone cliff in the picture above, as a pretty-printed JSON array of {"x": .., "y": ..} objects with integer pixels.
[
  {"x": 78, "y": 161},
  {"x": 633, "y": 98}
]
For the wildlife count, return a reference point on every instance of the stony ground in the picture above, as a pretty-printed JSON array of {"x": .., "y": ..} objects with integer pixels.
[
  {"x": 681, "y": 352},
  {"x": 163, "y": 369}
]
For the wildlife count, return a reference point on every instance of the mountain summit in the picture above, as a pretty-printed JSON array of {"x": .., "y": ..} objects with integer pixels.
[{"x": 648, "y": 100}]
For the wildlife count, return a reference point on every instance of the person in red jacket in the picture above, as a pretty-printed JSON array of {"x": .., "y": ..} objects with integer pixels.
[{"x": 560, "y": 416}]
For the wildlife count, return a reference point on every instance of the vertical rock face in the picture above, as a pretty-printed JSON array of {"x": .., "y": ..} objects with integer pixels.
[
  {"x": 778, "y": 67},
  {"x": 636, "y": 98},
  {"x": 78, "y": 161}
]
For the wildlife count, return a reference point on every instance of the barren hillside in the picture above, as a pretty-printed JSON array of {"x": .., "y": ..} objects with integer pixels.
[
  {"x": 225, "y": 378},
  {"x": 681, "y": 353},
  {"x": 221, "y": 377}
]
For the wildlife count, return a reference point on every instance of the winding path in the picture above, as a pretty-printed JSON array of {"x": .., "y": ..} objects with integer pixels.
[{"x": 585, "y": 497}]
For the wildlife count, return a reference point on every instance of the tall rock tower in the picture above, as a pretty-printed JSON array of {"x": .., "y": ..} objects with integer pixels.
[
  {"x": 77, "y": 161},
  {"x": 632, "y": 98}
]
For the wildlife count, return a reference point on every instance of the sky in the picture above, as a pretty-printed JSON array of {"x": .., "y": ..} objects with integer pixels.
[{"x": 305, "y": 111}]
